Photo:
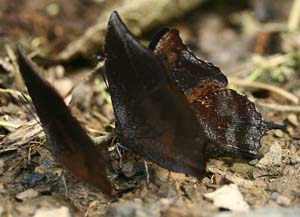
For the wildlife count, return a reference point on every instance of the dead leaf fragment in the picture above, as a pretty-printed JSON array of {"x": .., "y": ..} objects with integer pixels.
[{"x": 228, "y": 197}]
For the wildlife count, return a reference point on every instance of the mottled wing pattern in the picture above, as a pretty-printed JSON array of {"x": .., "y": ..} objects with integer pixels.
[
  {"x": 193, "y": 76},
  {"x": 230, "y": 120}
]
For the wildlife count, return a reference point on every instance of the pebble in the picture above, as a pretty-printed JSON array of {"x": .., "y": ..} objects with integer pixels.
[
  {"x": 293, "y": 119},
  {"x": 274, "y": 212},
  {"x": 62, "y": 211},
  {"x": 271, "y": 158},
  {"x": 28, "y": 194}
]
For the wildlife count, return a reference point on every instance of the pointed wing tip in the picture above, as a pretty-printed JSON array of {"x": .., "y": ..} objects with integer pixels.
[
  {"x": 26, "y": 68},
  {"x": 23, "y": 61},
  {"x": 115, "y": 28},
  {"x": 114, "y": 15},
  {"x": 115, "y": 20},
  {"x": 20, "y": 53}
]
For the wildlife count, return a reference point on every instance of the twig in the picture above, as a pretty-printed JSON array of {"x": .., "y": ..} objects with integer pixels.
[
  {"x": 252, "y": 84},
  {"x": 16, "y": 73},
  {"x": 278, "y": 107},
  {"x": 15, "y": 93},
  {"x": 101, "y": 139},
  {"x": 139, "y": 15},
  {"x": 294, "y": 18},
  {"x": 8, "y": 124}
]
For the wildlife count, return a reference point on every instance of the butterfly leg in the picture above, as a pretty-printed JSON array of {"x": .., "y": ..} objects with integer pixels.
[
  {"x": 63, "y": 178},
  {"x": 147, "y": 172},
  {"x": 119, "y": 149}
]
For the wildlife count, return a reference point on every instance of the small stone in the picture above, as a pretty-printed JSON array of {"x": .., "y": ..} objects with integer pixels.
[
  {"x": 218, "y": 179},
  {"x": 50, "y": 212},
  {"x": 271, "y": 158},
  {"x": 283, "y": 200},
  {"x": 293, "y": 119},
  {"x": 52, "y": 9},
  {"x": 274, "y": 212},
  {"x": 28, "y": 194},
  {"x": 134, "y": 209},
  {"x": 278, "y": 133},
  {"x": 63, "y": 86},
  {"x": 128, "y": 169},
  {"x": 242, "y": 168},
  {"x": 253, "y": 162},
  {"x": 274, "y": 195}
]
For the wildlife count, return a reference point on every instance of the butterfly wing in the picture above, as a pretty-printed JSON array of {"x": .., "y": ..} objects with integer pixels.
[
  {"x": 230, "y": 120},
  {"x": 67, "y": 141},
  {"x": 152, "y": 118},
  {"x": 232, "y": 123},
  {"x": 193, "y": 76}
]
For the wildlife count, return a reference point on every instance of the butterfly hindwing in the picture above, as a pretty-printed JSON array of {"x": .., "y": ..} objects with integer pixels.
[
  {"x": 193, "y": 76},
  {"x": 231, "y": 121}
]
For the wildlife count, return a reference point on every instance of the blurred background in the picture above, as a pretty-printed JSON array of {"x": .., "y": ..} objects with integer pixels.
[
  {"x": 227, "y": 33},
  {"x": 253, "y": 40}
]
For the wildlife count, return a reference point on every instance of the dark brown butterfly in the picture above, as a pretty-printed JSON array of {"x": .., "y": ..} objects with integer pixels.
[
  {"x": 67, "y": 141},
  {"x": 231, "y": 122},
  {"x": 152, "y": 117}
]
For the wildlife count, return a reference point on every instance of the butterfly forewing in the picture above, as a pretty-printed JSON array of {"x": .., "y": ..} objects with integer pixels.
[
  {"x": 153, "y": 119},
  {"x": 67, "y": 141}
]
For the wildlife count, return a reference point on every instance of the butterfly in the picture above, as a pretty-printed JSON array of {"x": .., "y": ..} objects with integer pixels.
[
  {"x": 170, "y": 107},
  {"x": 159, "y": 91},
  {"x": 66, "y": 139}
]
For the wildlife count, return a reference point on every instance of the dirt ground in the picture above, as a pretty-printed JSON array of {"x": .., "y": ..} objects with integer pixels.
[{"x": 252, "y": 44}]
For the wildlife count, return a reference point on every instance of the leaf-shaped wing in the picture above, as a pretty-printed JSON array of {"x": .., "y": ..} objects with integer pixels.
[
  {"x": 153, "y": 118},
  {"x": 67, "y": 141}
]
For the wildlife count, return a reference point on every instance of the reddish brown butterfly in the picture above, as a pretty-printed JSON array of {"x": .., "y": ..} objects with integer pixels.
[
  {"x": 231, "y": 122},
  {"x": 170, "y": 107}
]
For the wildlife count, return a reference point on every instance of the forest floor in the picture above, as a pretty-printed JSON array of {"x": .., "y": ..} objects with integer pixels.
[{"x": 248, "y": 51}]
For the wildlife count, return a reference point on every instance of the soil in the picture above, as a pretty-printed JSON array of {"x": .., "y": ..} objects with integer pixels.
[{"x": 32, "y": 184}]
